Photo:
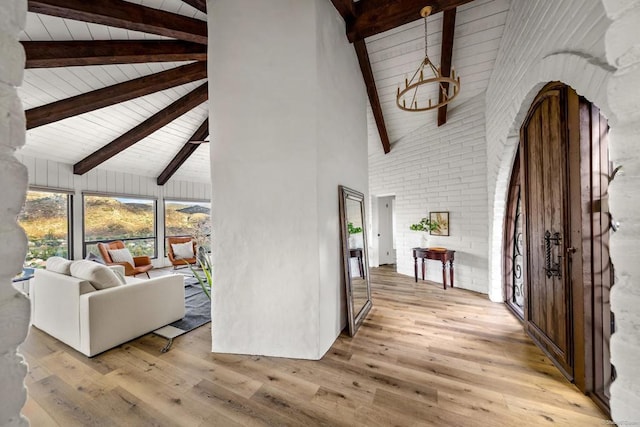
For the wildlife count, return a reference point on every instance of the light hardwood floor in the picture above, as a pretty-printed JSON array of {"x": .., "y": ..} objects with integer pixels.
[{"x": 424, "y": 356}]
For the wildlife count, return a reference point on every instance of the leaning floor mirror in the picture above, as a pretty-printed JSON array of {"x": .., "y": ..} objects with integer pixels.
[{"x": 354, "y": 254}]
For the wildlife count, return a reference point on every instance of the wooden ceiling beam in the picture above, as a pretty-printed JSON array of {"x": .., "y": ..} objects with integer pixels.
[
  {"x": 104, "y": 52},
  {"x": 114, "y": 94},
  {"x": 448, "y": 32},
  {"x": 185, "y": 152},
  {"x": 345, "y": 8},
  {"x": 201, "y": 5},
  {"x": 144, "y": 129},
  {"x": 122, "y": 14},
  {"x": 372, "y": 92},
  {"x": 376, "y": 16}
]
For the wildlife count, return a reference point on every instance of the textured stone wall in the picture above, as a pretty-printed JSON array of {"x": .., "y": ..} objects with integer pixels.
[
  {"x": 623, "y": 90},
  {"x": 14, "y": 307}
]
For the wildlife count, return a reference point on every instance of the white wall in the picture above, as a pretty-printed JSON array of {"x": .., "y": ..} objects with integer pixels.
[
  {"x": 572, "y": 49},
  {"x": 14, "y": 306},
  {"x": 51, "y": 174},
  {"x": 440, "y": 169},
  {"x": 287, "y": 120},
  {"x": 341, "y": 157}
]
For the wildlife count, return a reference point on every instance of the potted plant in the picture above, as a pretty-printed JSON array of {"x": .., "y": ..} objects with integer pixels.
[
  {"x": 354, "y": 241},
  {"x": 425, "y": 225},
  {"x": 206, "y": 279}
]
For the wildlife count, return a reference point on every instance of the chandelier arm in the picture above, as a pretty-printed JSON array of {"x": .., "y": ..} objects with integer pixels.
[{"x": 415, "y": 92}]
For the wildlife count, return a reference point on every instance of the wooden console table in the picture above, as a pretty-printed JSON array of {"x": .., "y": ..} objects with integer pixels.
[{"x": 445, "y": 256}]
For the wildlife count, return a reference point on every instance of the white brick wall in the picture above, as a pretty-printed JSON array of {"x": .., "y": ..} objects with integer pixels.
[
  {"x": 571, "y": 48},
  {"x": 623, "y": 53},
  {"x": 14, "y": 307},
  {"x": 543, "y": 41},
  {"x": 440, "y": 169}
]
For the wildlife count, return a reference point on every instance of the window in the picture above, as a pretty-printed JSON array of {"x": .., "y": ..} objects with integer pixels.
[
  {"x": 46, "y": 218},
  {"x": 188, "y": 218},
  {"x": 132, "y": 220}
]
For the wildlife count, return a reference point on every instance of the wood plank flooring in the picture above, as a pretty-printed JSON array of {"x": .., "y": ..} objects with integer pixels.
[{"x": 424, "y": 356}]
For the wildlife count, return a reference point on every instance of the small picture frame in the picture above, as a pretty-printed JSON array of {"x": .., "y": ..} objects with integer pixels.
[{"x": 442, "y": 221}]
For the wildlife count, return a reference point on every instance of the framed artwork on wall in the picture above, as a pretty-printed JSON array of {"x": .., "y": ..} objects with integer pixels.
[{"x": 441, "y": 220}]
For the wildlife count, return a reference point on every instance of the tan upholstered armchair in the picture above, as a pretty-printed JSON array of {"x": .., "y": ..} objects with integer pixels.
[
  {"x": 142, "y": 263},
  {"x": 180, "y": 262}
]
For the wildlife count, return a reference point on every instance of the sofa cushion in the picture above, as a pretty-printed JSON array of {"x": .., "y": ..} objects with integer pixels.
[
  {"x": 182, "y": 250},
  {"x": 121, "y": 255},
  {"x": 60, "y": 265},
  {"x": 120, "y": 276},
  {"x": 100, "y": 276}
]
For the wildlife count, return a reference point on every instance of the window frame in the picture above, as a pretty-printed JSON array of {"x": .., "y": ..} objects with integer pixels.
[
  {"x": 153, "y": 199},
  {"x": 67, "y": 192},
  {"x": 164, "y": 219}
]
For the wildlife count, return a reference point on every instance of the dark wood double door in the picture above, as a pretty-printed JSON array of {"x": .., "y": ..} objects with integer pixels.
[{"x": 558, "y": 205}]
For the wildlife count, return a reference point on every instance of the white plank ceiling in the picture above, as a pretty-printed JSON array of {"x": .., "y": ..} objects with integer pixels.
[
  {"x": 393, "y": 54},
  {"x": 70, "y": 140},
  {"x": 397, "y": 53}
]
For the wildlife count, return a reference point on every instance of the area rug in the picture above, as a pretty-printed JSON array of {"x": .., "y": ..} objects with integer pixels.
[{"x": 197, "y": 313}]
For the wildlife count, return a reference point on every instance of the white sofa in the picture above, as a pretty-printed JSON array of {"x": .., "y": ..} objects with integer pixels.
[{"x": 92, "y": 320}]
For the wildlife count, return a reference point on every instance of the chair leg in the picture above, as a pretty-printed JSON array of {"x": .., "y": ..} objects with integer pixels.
[{"x": 148, "y": 274}]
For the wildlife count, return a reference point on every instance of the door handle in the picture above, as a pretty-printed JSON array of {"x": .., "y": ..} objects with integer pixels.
[{"x": 552, "y": 268}]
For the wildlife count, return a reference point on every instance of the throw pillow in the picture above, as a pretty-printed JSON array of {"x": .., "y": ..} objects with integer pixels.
[
  {"x": 100, "y": 276},
  {"x": 182, "y": 250},
  {"x": 93, "y": 257},
  {"x": 59, "y": 265},
  {"x": 121, "y": 255}
]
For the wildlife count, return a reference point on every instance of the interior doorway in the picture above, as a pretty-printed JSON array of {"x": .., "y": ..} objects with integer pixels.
[
  {"x": 386, "y": 230},
  {"x": 558, "y": 272}
]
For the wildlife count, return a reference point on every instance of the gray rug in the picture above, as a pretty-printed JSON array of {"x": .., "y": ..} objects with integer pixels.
[
  {"x": 197, "y": 305},
  {"x": 197, "y": 313}
]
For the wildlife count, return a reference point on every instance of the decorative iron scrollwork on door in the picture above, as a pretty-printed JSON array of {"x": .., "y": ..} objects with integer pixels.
[
  {"x": 518, "y": 258},
  {"x": 552, "y": 268}
]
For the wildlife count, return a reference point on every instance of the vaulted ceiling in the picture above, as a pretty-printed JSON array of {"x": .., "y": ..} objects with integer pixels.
[{"x": 122, "y": 84}]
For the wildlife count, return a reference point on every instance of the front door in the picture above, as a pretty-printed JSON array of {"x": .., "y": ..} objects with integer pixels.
[{"x": 544, "y": 149}]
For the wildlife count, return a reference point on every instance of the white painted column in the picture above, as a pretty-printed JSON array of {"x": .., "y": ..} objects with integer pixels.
[
  {"x": 623, "y": 52},
  {"x": 288, "y": 125},
  {"x": 14, "y": 307}
]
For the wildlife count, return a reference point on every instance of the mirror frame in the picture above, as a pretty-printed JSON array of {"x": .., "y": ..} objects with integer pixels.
[{"x": 354, "y": 319}]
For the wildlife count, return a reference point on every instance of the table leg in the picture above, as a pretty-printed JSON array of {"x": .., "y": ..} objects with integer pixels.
[
  {"x": 451, "y": 271},
  {"x": 444, "y": 276},
  {"x": 424, "y": 268},
  {"x": 415, "y": 268}
]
